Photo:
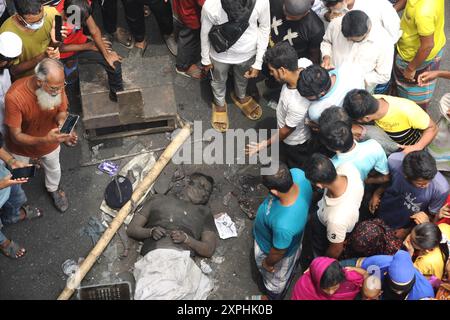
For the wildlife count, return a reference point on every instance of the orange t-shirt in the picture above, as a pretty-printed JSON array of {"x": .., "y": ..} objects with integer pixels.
[{"x": 23, "y": 111}]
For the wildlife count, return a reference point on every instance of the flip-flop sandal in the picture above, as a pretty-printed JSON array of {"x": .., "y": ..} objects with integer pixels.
[
  {"x": 248, "y": 108},
  {"x": 219, "y": 117},
  {"x": 32, "y": 213},
  {"x": 195, "y": 74},
  {"x": 12, "y": 250}
]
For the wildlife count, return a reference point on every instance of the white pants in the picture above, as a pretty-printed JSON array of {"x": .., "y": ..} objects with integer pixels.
[{"x": 52, "y": 168}]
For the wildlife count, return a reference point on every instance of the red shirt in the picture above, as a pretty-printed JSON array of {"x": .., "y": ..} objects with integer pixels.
[
  {"x": 188, "y": 12},
  {"x": 446, "y": 220},
  {"x": 74, "y": 36}
]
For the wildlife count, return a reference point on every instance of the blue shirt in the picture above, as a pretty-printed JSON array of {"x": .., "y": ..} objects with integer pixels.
[
  {"x": 282, "y": 227},
  {"x": 365, "y": 156},
  {"x": 5, "y": 192},
  {"x": 402, "y": 199}
]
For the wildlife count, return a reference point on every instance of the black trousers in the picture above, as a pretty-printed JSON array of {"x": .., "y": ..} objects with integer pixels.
[
  {"x": 163, "y": 14},
  {"x": 295, "y": 156},
  {"x": 189, "y": 47},
  {"x": 94, "y": 57},
  {"x": 319, "y": 236},
  {"x": 134, "y": 15}
]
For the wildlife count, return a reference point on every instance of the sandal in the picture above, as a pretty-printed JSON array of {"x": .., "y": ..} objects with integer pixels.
[
  {"x": 124, "y": 38},
  {"x": 248, "y": 108},
  {"x": 138, "y": 52},
  {"x": 219, "y": 118},
  {"x": 60, "y": 200},
  {"x": 193, "y": 72},
  {"x": 13, "y": 250},
  {"x": 32, "y": 213}
]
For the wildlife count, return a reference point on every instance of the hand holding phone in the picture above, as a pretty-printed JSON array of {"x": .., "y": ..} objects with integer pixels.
[
  {"x": 25, "y": 172},
  {"x": 58, "y": 28},
  {"x": 69, "y": 124}
]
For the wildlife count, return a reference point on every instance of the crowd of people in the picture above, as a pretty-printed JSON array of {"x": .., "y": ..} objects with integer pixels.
[{"x": 351, "y": 81}]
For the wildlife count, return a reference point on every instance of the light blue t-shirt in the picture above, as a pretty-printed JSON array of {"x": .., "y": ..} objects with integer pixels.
[
  {"x": 365, "y": 156},
  {"x": 4, "y": 193},
  {"x": 282, "y": 227}
]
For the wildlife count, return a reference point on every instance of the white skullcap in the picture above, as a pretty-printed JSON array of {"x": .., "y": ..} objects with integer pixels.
[{"x": 10, "y": 45}]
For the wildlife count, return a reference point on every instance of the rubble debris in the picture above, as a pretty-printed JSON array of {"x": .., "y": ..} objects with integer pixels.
[
  {"x": 94, "y": 229},
  {"x": 206, "y": 268},
  {"x": 227, "y": 199}
]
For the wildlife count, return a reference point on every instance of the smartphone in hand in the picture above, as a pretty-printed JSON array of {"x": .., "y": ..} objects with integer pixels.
[{"x": 58, "y": 28}]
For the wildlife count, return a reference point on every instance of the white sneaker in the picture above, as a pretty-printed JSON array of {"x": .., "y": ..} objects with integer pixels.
[{"x": 171, "y": 44}]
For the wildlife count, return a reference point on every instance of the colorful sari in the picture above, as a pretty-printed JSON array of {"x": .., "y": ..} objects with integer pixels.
[{"x": 308, "y": 286}]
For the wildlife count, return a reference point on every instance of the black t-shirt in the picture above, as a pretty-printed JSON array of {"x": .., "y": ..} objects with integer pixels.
[
  {"x": 175, "y": 214},
  {"x": 304, "y": 34}
]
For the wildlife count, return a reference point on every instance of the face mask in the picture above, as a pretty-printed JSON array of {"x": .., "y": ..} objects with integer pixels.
[{"x": 34, "y": 26}]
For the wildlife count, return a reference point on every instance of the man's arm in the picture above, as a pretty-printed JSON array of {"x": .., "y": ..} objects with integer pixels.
[
  {"x": 427, "y": 135},
  {"x": 400, "y": 5},
  {"x": 206, "y": 246},
  {"x": 275, "y": 255},
  {"x": 426, "y": 45},
  {"x": 264, "y": 25},
  {"x": 18, "y": 69},
  {"x": 378, "y": 179},
  {"x": 18, "y": 137},
  {"x": 136, "y": 229},
  {"x": 206, "y": 26},
  {"x": 335, "y": 250},
  {"x": 61, "y": 117}
]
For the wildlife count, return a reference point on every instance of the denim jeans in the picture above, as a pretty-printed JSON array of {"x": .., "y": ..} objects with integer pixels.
[{"x": 10, "y": 212}]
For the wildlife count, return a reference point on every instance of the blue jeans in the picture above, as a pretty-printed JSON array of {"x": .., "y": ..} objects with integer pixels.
[{"x": 10, "y": 212}]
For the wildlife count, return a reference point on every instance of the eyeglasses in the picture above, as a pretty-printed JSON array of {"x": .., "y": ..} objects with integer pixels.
[
  {"x": 30, "y": 25},
  {"x": 55, "y": 89}
]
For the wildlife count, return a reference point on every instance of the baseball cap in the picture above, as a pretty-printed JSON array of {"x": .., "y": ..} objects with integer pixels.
[{"x": 10, "y": 45}]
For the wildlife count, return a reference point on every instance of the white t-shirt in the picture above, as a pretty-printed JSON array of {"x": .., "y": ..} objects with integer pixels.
[
  {"x": 348, "y": 77},
  {"x": 291, "y": 111},
  {"x": 341, "y": 214}
]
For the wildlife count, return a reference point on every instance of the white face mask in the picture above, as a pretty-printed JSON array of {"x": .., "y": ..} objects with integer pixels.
[{"x": 34, "y": 26}]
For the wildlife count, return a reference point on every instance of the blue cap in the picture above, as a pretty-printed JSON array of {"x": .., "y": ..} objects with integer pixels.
[{"x": 401, "y": 270}]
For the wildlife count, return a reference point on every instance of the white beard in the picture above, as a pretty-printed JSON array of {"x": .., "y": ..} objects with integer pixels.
[{"x": 46, "y": 101}]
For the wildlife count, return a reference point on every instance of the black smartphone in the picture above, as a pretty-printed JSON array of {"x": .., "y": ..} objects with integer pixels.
[
  {"x": 27, "y": 172},
  {"x": 69, "y": 124},
  {"x": 58, "y": 27}
]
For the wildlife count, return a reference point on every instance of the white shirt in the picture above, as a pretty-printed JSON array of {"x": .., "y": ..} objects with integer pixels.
[
  {"x": 374, "y": 54},
  {"x": 253, "y": 42},
  {"x": 381, "y": 12},
  {"x": 291, "y": 111},
  {"x": 348, "y": 77},
  {"x": 341, "y": 214},
  {"x": 5, "y": 83}
]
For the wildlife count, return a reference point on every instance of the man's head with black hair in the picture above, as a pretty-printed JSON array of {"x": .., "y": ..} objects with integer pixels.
[
  {"x": 314, "y": 82},
  {"x": 334, "y": 114},
  {"x": 356, "y": 25},
  {"x": 361, "y": 106},
  {"x": 337, "y": 136},
  {"x": 30, "y": 13},
  {"x": 419, "y": 168},
  {"x": 199, "y": 188},
  {"x": 280, "y": 182},
  {"x": 282, "y": 61},
  {"x": 77, "y": 7},
  {"x": 320, "y": 171}
]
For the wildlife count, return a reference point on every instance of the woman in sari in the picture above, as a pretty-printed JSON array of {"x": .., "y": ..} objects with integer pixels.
[{"x": 327, "y": 280}]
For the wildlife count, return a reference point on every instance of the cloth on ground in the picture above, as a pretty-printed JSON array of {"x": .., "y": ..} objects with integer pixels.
[{"x": 167, "y": 274}]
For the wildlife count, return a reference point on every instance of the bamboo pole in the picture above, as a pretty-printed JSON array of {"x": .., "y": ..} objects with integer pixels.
[{"x": 129, "y": 207}]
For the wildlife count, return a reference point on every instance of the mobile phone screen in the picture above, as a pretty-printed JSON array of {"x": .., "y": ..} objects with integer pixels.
[
  {"x": 58, "y": 27},
  {"x": 69, "y": 124},
  {"x": 27, "y": 172}
]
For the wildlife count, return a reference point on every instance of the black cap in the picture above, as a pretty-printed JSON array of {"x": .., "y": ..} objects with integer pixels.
[{"x": 118, "y": 192}]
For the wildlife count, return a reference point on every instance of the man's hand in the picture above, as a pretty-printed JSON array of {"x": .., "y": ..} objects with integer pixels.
[
  {"x": 409, "y": 74},
  {"x": 268, "y": 267},
  {"x": 158, "y": 233},
  {"x": 54, "y": 136},
  {"x": 420, "y": 217},
  {"x": 408, "y": 149},
  {"x": 64, "y": 33},
  {"x": 444, "y": 212},
  {"x": 251, "y": 73},
  {"x": 72, "y": 140},
  {"x": 7, "y": 181},
  {"x": 326, "y": 63},
  {"x": 52, "y": 53},
  {"x": 19, "y": 164},
  {"x": 207, "y": 68},
  {"x": 254, "y": 147},
  {"x": 374, "y": 202},
  {"x": 427, "y": 77},
  {"x": 113, "y": 57},
  {"x": 179, "y": 236}
]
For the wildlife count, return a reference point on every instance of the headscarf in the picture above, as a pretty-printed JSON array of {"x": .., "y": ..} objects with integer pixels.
[
  {"x": 370, "y": 238},
  {"x": 308, "y": 286}
]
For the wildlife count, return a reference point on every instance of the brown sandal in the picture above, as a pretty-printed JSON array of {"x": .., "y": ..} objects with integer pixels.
[
  {"x": 124, "y": 38},
  {"x": 219, "y": 118},
  {"x": 248, "y": 108}
]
